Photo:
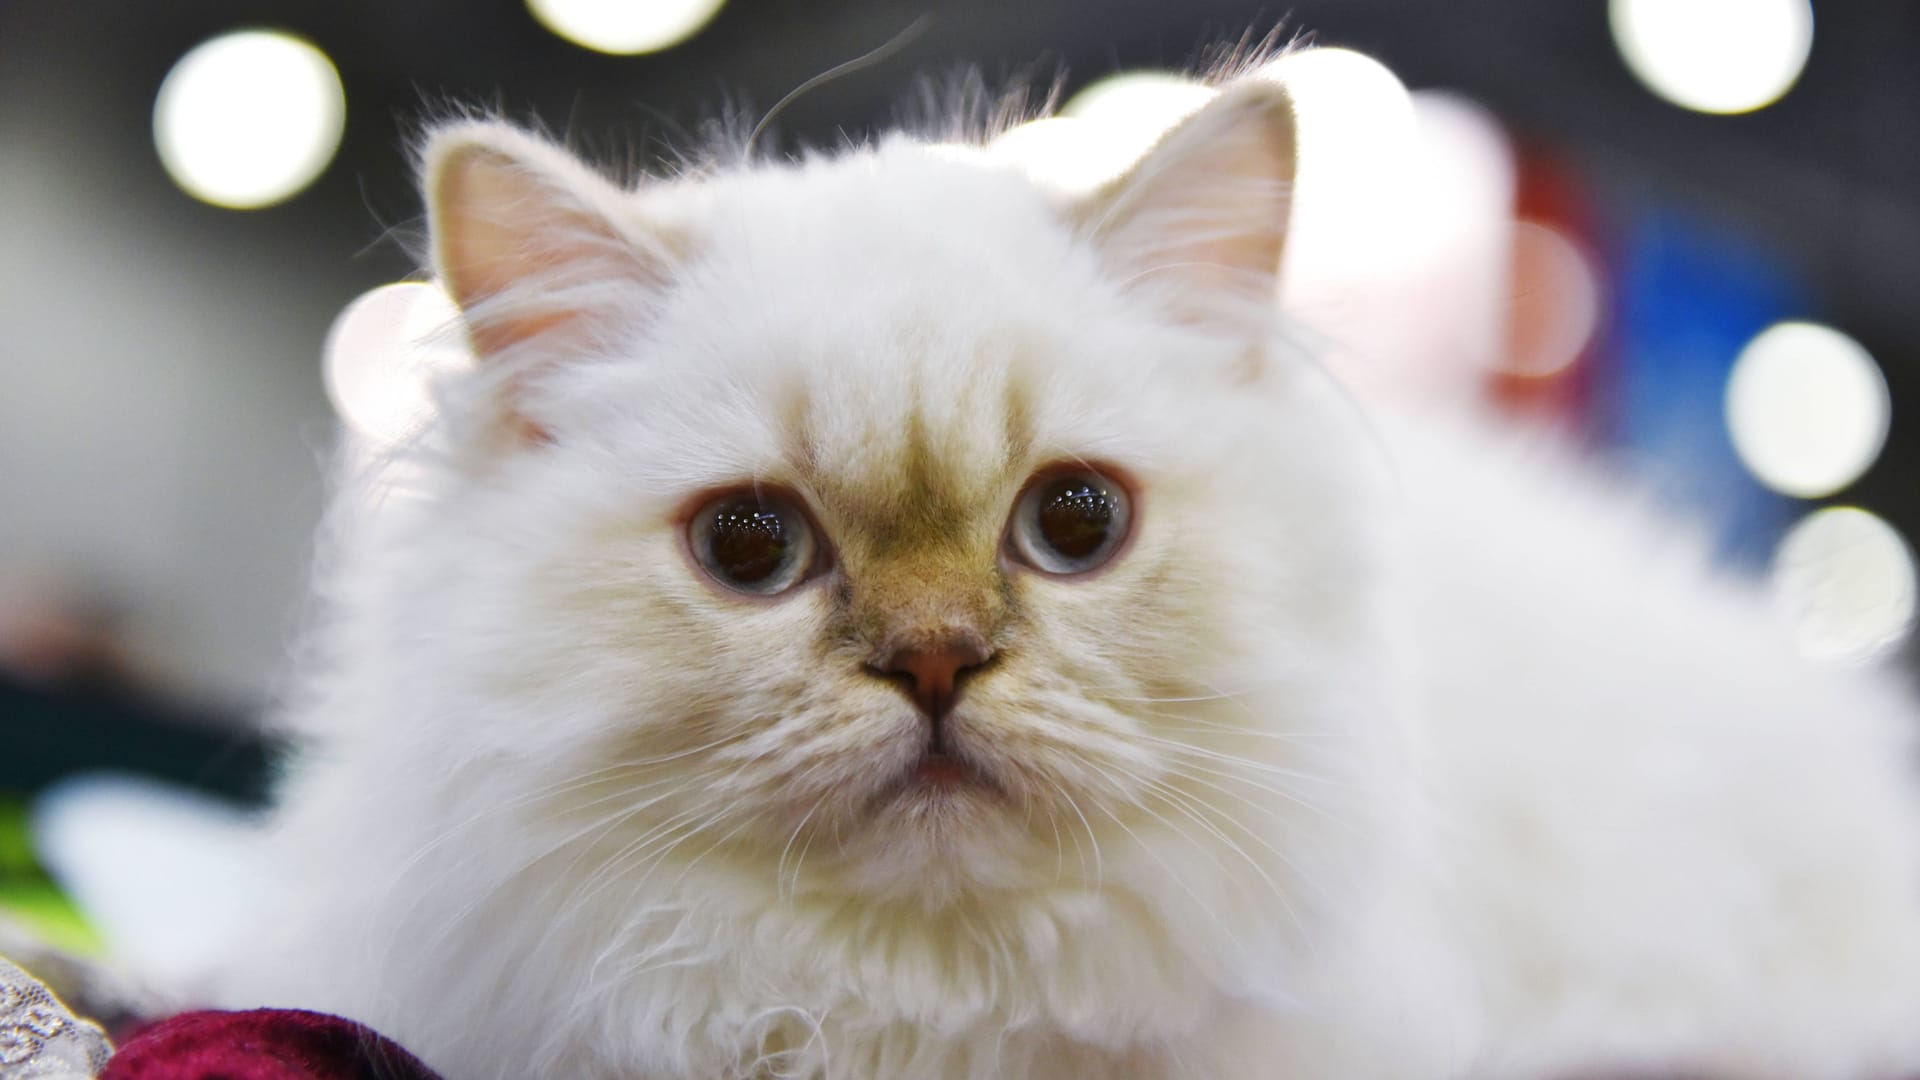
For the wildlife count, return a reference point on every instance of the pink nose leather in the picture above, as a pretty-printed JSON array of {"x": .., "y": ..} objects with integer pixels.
[{"x": 933, "y": 669}]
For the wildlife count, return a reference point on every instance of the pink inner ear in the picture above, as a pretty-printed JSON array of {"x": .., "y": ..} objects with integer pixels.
[
  {"x": 477, "y": 198},
  {"x": 494, "y": 336},
  {"x": 1207, "y": 207},
  {"x": 490, "y": 214},
  {"x": 515, "y": 233}
]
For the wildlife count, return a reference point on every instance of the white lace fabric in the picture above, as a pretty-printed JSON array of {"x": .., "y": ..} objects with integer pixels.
[{"x": 39, "y": 1038}]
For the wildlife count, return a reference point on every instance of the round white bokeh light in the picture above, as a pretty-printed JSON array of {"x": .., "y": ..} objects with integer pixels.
[
  {"x": 1357, "y": 134},
  {"x": 249, "y": 119},
  {"x": 1149, "y": 102},
  {"x": 1807, "y": 409},
  {"x": 624, "y": 27},
  {"x": 1846, "y": 580},
  {"x": 383, "y": 353},
  {"x": 1102, "y": 131},
  {"x": 1714, "y": 56},
  {"x": 1556, "y": 298},
  {"x": 1351, "y": 108},
  {"x": 1070, "y": 154}
]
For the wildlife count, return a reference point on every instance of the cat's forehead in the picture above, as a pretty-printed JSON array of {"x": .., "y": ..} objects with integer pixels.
[
  {"x": 916, "y": 445},
  {"x": 909, "y": 321},
  {"x": 900, "y": 227}
]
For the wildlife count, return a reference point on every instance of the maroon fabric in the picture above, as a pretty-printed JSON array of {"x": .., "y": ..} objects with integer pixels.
[{"x": 265, "y": 1044}]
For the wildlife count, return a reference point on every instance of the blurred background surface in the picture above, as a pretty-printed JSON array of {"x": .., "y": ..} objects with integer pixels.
[{"x": 1686, "y": 232}]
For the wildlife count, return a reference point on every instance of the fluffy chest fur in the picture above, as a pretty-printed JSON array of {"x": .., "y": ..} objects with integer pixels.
[{"x": 700, "y": 965}]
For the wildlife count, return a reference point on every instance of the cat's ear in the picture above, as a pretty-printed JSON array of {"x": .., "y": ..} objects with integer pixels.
[
  {"x": 1202, "y": 217},
  {"x": 530, "y": 243}
]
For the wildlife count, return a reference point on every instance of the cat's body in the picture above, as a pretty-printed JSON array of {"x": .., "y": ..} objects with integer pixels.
[
  {"x": 1672, "y": 842},
  {"x": 1369, "y": 747}
]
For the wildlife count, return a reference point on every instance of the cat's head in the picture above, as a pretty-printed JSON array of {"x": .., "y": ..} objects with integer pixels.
[{"x": 890, "y": 525}]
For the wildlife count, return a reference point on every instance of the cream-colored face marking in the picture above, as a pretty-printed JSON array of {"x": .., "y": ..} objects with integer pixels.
[{"x": 916, "y": 505}]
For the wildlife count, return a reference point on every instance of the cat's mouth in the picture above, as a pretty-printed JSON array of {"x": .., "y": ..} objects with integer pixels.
[
  {"x": 940, "y": 771},
  {"x": 937, "y": 768}
]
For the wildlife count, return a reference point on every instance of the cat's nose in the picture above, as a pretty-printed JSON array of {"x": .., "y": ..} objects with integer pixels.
[{"x": 931, "y": 669}]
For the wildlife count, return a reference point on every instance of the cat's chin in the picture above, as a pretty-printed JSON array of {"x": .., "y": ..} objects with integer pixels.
[
  {"x": 938, "y": 780},
  {"x": 938, "y": 846},
  {"x": 942, "y": 827},
  {"x": 937, "y": 803}
]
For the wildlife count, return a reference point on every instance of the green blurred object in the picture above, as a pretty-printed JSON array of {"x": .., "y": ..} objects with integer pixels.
[{"x": 30, "y": 898}]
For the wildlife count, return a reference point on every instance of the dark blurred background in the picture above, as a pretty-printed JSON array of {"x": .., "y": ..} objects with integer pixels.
[{"x": 1618, "y": 207}]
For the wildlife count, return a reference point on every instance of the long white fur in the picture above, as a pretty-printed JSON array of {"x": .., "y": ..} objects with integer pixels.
[{"x": 1393, "y": 747}]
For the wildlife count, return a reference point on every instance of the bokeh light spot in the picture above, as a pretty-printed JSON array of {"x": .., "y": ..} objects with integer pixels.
[
  {"x": 1357, "y": 141},
  {"x": 1351, "y": 107},
  {"x": 624, "y": 27},
  {"x": 1104, "y": 129},
  {"x": 1149, "y": 102},
  {"x": 1554, "y": 308},
  {"x": 1846, "y": 580},
  {"x": 1070, "y": 154},
  {"x": 1807, "y": 409},
  {"x": 249, "y": 119},
  {"x": 1714, "y": 56},
  {"x": 383, "y": 353}
]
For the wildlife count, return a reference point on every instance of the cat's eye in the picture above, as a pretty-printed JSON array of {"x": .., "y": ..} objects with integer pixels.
[
  {"x": 755, "y": 541},
  {"x": 1070, "y": 522}
]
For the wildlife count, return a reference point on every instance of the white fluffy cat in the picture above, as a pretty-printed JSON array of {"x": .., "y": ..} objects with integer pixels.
[{"x": 873, "y": 617}]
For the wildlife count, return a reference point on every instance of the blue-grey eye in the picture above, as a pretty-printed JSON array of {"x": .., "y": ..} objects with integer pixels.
[{"x": 1070, "y": 522}]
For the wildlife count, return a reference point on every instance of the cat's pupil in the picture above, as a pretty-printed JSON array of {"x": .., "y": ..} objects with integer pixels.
[
  {"x": 749, "y": 543},
  {"x": 1075, "y": 517}
]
